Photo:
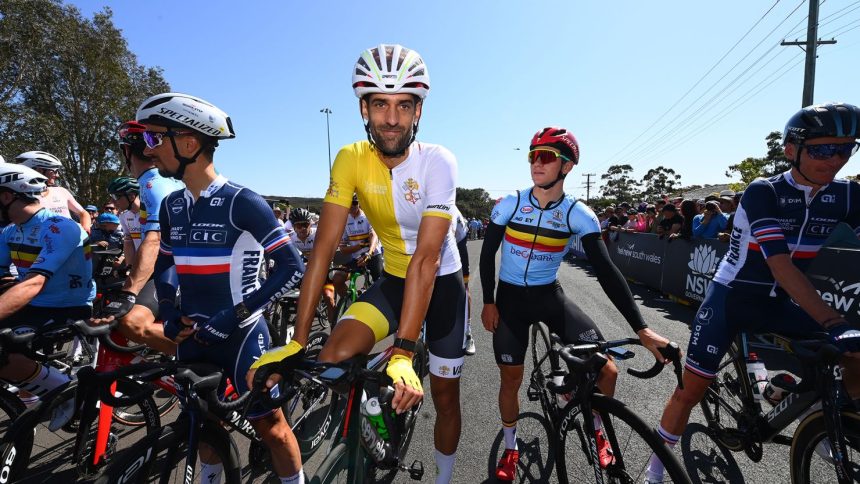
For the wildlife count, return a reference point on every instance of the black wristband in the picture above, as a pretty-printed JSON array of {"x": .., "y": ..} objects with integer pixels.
[{"x": 405, "y": 344}]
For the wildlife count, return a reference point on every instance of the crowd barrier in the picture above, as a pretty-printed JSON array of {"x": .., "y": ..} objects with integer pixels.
[{"x": 683, "y": 269}]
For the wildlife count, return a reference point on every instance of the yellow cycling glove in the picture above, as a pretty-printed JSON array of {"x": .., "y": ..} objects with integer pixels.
[
  {"x": 277, "y": 354},
  {"x": 400, "y": 370}
]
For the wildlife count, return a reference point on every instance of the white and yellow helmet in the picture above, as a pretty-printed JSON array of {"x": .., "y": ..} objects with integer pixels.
[{"x": 390, "y": 69}]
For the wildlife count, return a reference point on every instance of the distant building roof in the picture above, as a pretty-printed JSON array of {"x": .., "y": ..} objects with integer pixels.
[{"x": 705, "y": 191}]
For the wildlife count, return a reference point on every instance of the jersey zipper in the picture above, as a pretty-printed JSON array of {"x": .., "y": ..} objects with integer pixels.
[{"x": 532, "y": 250}]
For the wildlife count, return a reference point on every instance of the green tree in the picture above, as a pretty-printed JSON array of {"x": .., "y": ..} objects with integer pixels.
[
  {"x": 660, "y": 180},
  {"x": 474, "y": 202},
  {"x": 618, "y": 184},
  {"x": 773, "y": 163},
  {"x": 66, "y": 83}
]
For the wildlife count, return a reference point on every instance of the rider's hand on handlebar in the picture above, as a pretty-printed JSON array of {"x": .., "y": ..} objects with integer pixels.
[
  {"x": 846, "y": 338},
  {"x": 653, "y": 342},
  {"x": 407, "y": 386},
  {"x": 275, "y": 355}
]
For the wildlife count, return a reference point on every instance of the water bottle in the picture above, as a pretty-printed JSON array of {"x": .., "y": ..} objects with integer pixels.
[
  {"x": 758, "y": 376},
  {"x": 774, "y": 394},
  {"x": 373, "y": 411},
  {"x": 560, "y": 399}
]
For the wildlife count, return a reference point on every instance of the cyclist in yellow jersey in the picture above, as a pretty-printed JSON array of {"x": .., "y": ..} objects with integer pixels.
[{"x": 407, "y": 190}]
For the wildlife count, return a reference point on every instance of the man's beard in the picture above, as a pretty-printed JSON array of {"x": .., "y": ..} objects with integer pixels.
[{"x": 394, "y": 147}]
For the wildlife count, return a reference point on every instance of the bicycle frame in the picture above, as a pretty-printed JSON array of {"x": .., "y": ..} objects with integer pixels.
[{"x": 768, "y": 426}]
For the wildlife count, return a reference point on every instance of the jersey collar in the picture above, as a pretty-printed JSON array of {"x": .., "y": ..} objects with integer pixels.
[
  {"x": 807, "y": 190},
  {"x": 536, "y": 203},
  {"x": 213, "y": 187}
]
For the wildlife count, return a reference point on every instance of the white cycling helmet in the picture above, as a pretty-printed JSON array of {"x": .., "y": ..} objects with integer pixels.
[
  {"x": 390, "y": 69},
  {"x": 39, "y": 159},
  {"x": 178, "y": 110},
  {"x": 22, "y": 180},
  {"x": 2, "y": 160}
]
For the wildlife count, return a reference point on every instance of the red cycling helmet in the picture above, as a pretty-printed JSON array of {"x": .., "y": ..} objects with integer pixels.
[
  {"x": 558, "y": 138},
  {"x": 131, "y": 133}
]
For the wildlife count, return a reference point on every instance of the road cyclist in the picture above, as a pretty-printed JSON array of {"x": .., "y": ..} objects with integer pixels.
[
  {"x": 407, "y": 189},
  {"x": 759, "y": 286}
]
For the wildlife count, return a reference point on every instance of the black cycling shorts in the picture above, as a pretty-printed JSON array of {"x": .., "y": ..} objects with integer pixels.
[
  {"x": 445, "y": 322},
  {"x": 464, "y": 258},
  {"x": 520, "y": 307},
  {"x": 148, "y": 298}
]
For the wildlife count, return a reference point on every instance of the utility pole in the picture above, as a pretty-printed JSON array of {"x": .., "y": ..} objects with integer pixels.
[
  {"x": 588, "y": 184},
  {"x": 811, "y": 48}
]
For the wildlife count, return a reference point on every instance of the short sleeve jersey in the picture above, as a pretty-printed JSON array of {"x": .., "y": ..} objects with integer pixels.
[
  {"x": 395, "y": 200},
  {"x": 57, "y": 201},
  {"x": 536, "y": 239},
  {"x": 357, "y": 232},
  {"x": 218, "y": 244},
  {"x": 55, "y": 247},
  {"x": 153, "y": 189},
  {"x": 130, "y": 223},
  {"x": 780, "y": 216}
]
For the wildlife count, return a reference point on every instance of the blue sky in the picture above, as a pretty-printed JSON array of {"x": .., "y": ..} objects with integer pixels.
[{"x": 613, "y": 72}]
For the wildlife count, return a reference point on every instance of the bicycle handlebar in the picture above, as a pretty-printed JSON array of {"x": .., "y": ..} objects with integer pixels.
[{"x": 596, "y": 360}]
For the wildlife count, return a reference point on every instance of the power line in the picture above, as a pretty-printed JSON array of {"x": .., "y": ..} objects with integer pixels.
[
  {"x": 697, "y": 82},
  {"x": 837, "y": 31},
  {"x": 674, "y": 125}
]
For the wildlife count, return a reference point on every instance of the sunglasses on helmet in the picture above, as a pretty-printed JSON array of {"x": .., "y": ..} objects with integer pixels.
[
  {"x": 827, "y": 151},
  {"x": 545, "y": 156}
]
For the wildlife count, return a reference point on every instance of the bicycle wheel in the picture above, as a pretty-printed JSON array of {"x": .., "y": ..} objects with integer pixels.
[
  {"x": 335, "y": 469},
  {"x": 310, "y": 412},
  {"x": 10, "y": 408},
  {"x": 54, "y": 456},
  {"x": 542, "y": 361},
  {"x": 631, "y": 443},
  {"x": 725, "y": 398},
  {"x": 162, "y": 455},
  {"x": 810, "y": 461},
  {"x": 165, "y": 402}
]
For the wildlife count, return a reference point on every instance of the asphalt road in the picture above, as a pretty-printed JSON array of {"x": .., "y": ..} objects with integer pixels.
[{"x": 481, "y": 438}]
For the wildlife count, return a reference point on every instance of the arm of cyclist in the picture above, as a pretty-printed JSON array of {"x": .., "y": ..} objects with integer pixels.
[
  {"x": 616, "y": 288},
  {"x": 83, "y": 215},
  {"x": 128, "y": 250},
  {"x": 801, "y": 290},
  {"x": 19, "y": 295},
  {"x": 492, "y": 241},
  {"x": 251, "y": 214},
  {"x": 374, "y": 241},
  {"x": 420, "y": 279},
  {"x": 329, "y": 230}
]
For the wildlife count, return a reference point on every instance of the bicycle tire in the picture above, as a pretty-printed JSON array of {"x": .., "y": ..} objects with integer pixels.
[
  {"x": 542, "y": 364},
  {"x": 336, "y": 469},
  {"x": 317, "y": 399},
  {"x": 729, "y": 388},
  {"x": 166, "y": 448},
  {"x": 163, "y": 406},
  {"x": 807, "y": 466},
  {"x": 621, "y": 427},
  {"x": 12, "y": 407},
  {"x": 39, "y": 463}
]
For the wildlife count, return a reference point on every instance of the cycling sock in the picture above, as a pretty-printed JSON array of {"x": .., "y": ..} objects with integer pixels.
[
  {"x": 654, "y": 473},
  {"x": 297, "y": 478},
  {"x": 510, "y": 430},
  {"x": 444, "y": 467},
  {"x": 211, "y": 473},
  {"x": 44, "y": 379}
]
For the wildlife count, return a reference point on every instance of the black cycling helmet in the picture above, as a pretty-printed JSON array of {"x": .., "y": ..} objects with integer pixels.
[
  {"x": 300, "y": 215},
  {"x": 823, "y": 120},
  {"x": 123, "y": 184}
]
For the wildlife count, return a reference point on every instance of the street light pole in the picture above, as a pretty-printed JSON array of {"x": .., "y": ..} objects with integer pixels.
[{"x": 327, "y": 111}]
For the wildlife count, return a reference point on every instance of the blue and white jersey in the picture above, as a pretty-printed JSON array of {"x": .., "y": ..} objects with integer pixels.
[
  {"x": 536, "y": 239},
  {"x": 218, "y": 244},
  {"x": 781, "y": 216},
  {"x": 153, "y": 189},
  {"x": 55, "y": 247}
]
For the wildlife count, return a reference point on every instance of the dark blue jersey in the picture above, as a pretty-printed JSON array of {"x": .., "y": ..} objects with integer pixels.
[
  {"x": 217, "y": 245},
  {"x": 780, "y": 216}
]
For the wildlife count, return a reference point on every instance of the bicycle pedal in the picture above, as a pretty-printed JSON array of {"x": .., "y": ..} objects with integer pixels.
[
  {"x": 533, "y": 395},
  {"x": 416, "y": 471}
]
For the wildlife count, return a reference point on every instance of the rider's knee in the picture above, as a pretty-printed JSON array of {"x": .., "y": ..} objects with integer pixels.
[
  {"x": 609, "y": 371},
  {"x": 687, "y": 398},
  {"x": 277, "y": 435},
  {"x": 447, "y": 402}
]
